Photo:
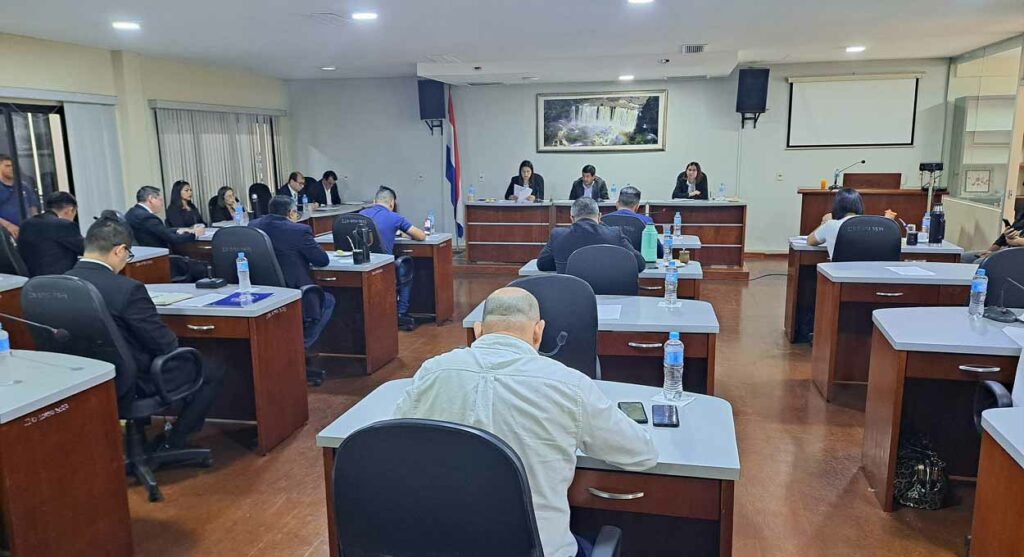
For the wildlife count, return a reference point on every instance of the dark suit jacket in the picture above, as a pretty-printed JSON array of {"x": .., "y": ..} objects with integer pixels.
[
  {"x": 680, "y": 190},
  {"x": 585, "y": 232},
  {"x": 135, "y": 316},
  {"x": 50, "y": 245},
  {"x": 536, "y": 182},
  {"x": 150, "y": 231},
  {"x": 295, "y": 248},
  {"x": 599, "y": 189},
  {"x": 318, "y": 193},
  {"x": 285, "y": 190},
  {"x": 180, "y": 218},
  {"x": 220, "y": 214}
]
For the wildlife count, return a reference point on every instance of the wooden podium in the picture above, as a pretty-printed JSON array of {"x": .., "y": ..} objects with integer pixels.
[{"x": 909, "y": 204}]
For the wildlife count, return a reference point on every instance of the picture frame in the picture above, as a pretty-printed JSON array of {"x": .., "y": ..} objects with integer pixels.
[
  {"x": 977, "y": 181},
  {"x": 615, "y": 121}
]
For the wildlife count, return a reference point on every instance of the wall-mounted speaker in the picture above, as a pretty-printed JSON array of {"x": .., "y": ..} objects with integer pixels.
[
  {"x": 752, "y": 91},
  {"x": 432, "y": 105}
]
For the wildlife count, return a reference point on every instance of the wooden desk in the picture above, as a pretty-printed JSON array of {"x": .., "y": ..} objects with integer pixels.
[
  {"x": 506, "y": 232},
  {"x": 910, "y": 204},
  {"x": 630, "y": 347},
  {"x": 690, "y": 491},
  {"x": 998, "y": 528},
  {"x": 62, "y": 478},
  {"x": 433, "y": 286},
  {"x": 652, "y": 281},
  {"x": 10, "y": 303},
  {"x": 260, "y": 348},
  {"x": 364, "y": 325},
  {"x": 720, "y": 225},
  {"x": 322, "y": 219},
  {"x": 918, "y": 384},
  {"x": 201, "y": 249},
  {"x": 849, "y": 292},
  {"x": 151, "y": 265},
  {"x": 802, "y": 278}
]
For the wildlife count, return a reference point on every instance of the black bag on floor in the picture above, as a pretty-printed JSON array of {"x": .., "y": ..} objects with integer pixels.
[{"x": 921, "y": 480}]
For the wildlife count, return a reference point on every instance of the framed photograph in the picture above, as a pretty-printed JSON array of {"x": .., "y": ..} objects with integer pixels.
[
  {"x": 620, "y": 121},
  {"x": 978, "y": 181}
]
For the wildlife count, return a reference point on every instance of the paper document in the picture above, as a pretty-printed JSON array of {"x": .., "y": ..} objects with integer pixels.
[
  {"x": 608, "y": 312},
  {"x": 168, "y": 298},
  {"x": 199, "y": 301},
  {"x": 1017, "y": 334},
  {"x": 911, "y": 271},
  {"x": 799, "y": 239},
  {"x": 522, "y": 194}
]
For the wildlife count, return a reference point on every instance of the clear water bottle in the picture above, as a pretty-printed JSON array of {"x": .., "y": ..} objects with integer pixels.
[
  {"x": 239, "y": 214},
  {"x": 979, "y": 288},
  {"x": 242, "y": 267},
  {"x": 305, "y": 205},
  {"x": 671, "y": 283},
  {"x": 428, "y": 224},
  {"x": 926, "y": 222},
  {"x": 673, "y": 388},
  {"x": 677, "y": 224},
  {"x": 614, "y": 192},
  {"x": 721, "y": 190},
  {"x": 667, "y": 244},
  {"x": 471, "y": 193},
  {"x": 6, "y": 367}
]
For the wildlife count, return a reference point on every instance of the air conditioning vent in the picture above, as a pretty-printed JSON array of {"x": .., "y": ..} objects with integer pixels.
[{"x": 692, "y": 48}]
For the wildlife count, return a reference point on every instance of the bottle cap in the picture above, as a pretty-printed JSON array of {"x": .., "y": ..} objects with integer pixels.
[
  {"x": 674, "y": 335},
  {"x": 241, "y": 254}
]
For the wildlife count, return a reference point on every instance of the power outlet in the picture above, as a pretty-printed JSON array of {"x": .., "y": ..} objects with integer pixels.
[
  {"x": 419, "y": 178},
  {"x": 778, "y": 176},
  {"x": 481, "y": 177}
]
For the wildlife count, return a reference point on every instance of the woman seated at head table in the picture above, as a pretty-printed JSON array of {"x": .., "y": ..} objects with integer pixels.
[
  {"x": 526, "y": 177},
  {"x": 692, "y": 183},
  {"x": 181, "y": 212},
  {"x": 224, "y": 208}
]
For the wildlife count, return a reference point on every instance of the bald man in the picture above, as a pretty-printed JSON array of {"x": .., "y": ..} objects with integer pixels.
[{"x": 540, "y": 407}]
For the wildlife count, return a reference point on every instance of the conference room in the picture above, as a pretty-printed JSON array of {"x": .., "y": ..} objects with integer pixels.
[{"x": 615, "y": 278}]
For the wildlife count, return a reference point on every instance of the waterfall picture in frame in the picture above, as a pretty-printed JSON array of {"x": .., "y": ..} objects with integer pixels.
[{"x": 614, "y": 121}]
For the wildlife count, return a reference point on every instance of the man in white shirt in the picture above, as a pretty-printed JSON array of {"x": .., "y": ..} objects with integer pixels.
[{"x": 543, "y": 409}]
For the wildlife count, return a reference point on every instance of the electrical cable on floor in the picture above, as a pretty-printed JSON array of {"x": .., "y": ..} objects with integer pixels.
[{"x": 769, "y": 275}]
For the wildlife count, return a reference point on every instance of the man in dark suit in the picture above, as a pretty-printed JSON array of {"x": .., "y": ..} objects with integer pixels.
[
  {"x": 295, "y": 189},
  {"x": 148, "y": 227},
  {"x": 325, "y": 192},
  {"x": 50, "y": 243},
  {"x": 586, "y": 230},
  {"x": 107, "y": 251},
  {"x": 296, "y": 251},
  {"x": 589, "y": 185}
]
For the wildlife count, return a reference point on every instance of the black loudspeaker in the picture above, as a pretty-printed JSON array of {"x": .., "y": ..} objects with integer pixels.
[
  {"x": 432, "y": 105},
  {"x": 752, "y": 91}
]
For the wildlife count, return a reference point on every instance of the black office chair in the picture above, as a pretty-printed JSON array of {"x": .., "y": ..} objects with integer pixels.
[
  {"x": 414, "y": 487},
  {"x": 988, "y": 395},
  {"x": 609, "y": 270},
  {"x": 263, "y": 197},
  {"x": 569, "y": 309},
  {"x": 309, "y": 183},
  {"x": 10, "y": 260},
  {"x": 211, "y": 206},
  {"x": 72, "y": 304},
  {"x": 1005, "y": 264},
  {"x": 631, "y": 227},
  {"x": 264, "y": 270},
  {"x": 868, "y": 238}
]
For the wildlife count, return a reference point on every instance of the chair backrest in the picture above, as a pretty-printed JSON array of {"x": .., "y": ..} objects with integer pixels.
[
  {"x": 263, "y": 196},
  {"x": 346, "y": 225},
  {"x": 10, "y": 260},
  {"x": 567, "y": 304},
  {"x": 414, "y": 487},
  {"x": 211, "y": 205},
  {"x": 263, "y": 266},
  {"x": 1007, "y": 263},
  {"x": 631, "y": 227},
  {"x": 868, "y": 238},
  {"x": 609, "y": 270}
]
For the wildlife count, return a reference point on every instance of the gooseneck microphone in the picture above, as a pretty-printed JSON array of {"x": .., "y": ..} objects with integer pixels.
[
  {"x": 835, "y": 178},
  {"x": 59, "y": 335},
  {"x": 559, "y": 343}
]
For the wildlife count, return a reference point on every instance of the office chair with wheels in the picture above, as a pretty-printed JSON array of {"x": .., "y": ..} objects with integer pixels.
[
  {"x": 631, "y": 227},
  {"x": 567, "y": 305},
  {"x": 72, "y": 304},
  {"x": 988, "y": 395},
  {"x": 868, "y": 238},
  {"x": 10, "y": 260},
  {"x": 413, "y": 487},
  {"x": 1007, "y": 263},
  {"x": 263, "y": 197},
  {"x": 609, "y": 270},
  {"x": 264, "y": 270}
]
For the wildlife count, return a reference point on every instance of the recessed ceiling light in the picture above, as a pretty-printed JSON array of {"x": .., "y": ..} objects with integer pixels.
[
  {"x": 625, "y": 78},
  {"x": 364, "y": 16},
  {"x": 328, "y": 68},
  {"x": 855, "y": 49},
  {"x": 640, "y": 1},
  {"x": 126, "y": 25}
]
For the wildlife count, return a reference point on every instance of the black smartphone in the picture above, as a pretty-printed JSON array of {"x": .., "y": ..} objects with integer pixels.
[
  {"x": 635, "y": 411},
  {"x": 665, "y": 415},
  {"x": 1007, "y": 223}
]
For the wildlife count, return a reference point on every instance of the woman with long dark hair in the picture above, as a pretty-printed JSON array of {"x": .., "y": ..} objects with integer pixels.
[
  {"x": 846, "y": 204},
  {"x": 691, "y": 183},
  {"x": 526, "y": 177},
  {"x": 224, "y": 208},
  {"x": 181, "y": 212}
]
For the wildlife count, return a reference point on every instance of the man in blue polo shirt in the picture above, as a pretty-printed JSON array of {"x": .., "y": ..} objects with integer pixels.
[
  {"x": 389, "y": 223},
  {"x": 627, "y": 205},
  {"x": 10, "y": 214}
]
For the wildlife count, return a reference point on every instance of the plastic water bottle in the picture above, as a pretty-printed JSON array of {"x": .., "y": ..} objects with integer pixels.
[
  {"x": 721, "y": 190},
  {"x": 471, "y": 194},
  {"x": 242, "y": 267},
  {"x": 673, "y": 388},
  {"x": 677, "y": 224},
  {"x": 926, "y": 222},
  {"x": 6, "y": 366},
  {"x": 239, "y": 214},
  {"x": 671, "y": 283},
  {"x": 667, "y": 244},
  {"x": 305, "y": 205},
  {"x": 428, "y": 223},
  {"x": 614, "y": 192},
  {"x": 979, "y": 288}
]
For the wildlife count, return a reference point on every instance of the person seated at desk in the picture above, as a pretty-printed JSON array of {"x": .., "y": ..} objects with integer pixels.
[
  {"x": 526, "y": 177},
  {"x": 10, "y": 210},
  {"x": 586, "y": 230},
  {"x": 384, "y": 213},
  {"x": 296, "y": 249},
  {"x": 325, "y": 192},
  {"x": 50, "y": 243},
  {"x": 589, "y": 185},
  {"x": 181, "y": 212},
  {"x": 543, "y": 409},
  {"x": 296, "y": 188},
  {"x": 224, "y": 208},
  {"x": 628, "y": 205},
  {"x": 846, "y": 204},
  {"x": 107, "y": 252},
  {"x": 149, "y": 230},
  {"x": 1010, "y": 237},
  {"x": 692, "y": 183}
]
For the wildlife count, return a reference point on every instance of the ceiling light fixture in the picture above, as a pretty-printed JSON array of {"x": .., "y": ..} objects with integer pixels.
[
  {"x": 626, "y": 78},
  {"x": 126, "y": 25},
  {"x": 364, "y": 16},
  {"x": 855, "y": 49},
  {"x": 328, "y": 68},
  {"x": 640, "y": 1}
]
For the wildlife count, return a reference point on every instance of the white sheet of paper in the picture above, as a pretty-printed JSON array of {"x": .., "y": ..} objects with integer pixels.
[
  {"x": 608, "y": 312},
  {"x": 200, "y": 301},
  {"x": 799, "y": 239},
  {"x": 522, "y": 194},
  {"x": 911, "y": 271},
  {"x": 1017, "y": 334}
]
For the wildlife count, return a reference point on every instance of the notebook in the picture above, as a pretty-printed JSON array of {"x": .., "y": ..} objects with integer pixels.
[{"x": 168, "y": 298}]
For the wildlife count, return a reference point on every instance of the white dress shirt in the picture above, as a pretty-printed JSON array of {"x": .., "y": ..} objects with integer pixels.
[{"x": 541, "y": 408}]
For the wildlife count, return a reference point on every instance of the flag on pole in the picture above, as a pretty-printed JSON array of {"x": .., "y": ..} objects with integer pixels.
[{"x": 452, "y": 171}]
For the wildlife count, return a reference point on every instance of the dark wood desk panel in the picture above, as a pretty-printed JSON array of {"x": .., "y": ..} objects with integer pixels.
[
  {"x": 321, "y": 223},
  {"x": 364, "y": 325},
  {"x": 151, "y": 271},
  {"x": 910, "y": 204},
  {"x": 506, "y": 233},
  {"x": 200, "y": 251},
  {"x": 20, "y": 337},
  {"x": 998, "y": 527},
  {"x": 433, "y": 287},
  {"x": 873, "y": 180},
  {"x": 721, "y": 229},
  {"x": 62, "y": 479},
  {"x": 655, "y": 288}
]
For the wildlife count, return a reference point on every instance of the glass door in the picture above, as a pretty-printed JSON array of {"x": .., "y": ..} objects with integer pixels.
[{"x": 35, "y": 139}]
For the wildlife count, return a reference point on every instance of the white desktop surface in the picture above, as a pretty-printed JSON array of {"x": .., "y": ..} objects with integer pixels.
[
  {"x": 280, "y": 297},
  {"x": 799, "y": 243},
  {"x": 690, "y": 271},
  {"x": 143, "y": 253},
  {"x": 45, "y": 378},
  {"x": 944, "y": 329},
  {"x": 344, "y": 263},
  {"x": 875, "y": 272},
  {"x": 703, "y": 446},
  {"x": 434, "y": 239},
  {"x": 10, "y": 282},
  {"x": 1006, "y": 426},
  {"x": 643, "y": 314}
]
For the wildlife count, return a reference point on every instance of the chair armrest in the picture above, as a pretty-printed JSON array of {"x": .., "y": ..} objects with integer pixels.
[
  {"x": 608, "y": 541},
  {"x": 185, "y": 357},
  {"x": 182, "y": 263},
  {"x": 989, "y": 394},
  {"x": 405, "y": 261}
]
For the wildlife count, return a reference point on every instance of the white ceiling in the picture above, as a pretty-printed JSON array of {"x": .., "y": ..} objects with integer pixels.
[{"x": 279, "y": 38}]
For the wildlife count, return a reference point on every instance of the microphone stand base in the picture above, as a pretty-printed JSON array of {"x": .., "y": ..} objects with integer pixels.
[{"x": 1001, "y": 315}]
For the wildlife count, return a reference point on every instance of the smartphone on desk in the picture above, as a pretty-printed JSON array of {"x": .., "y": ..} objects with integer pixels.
[
  {"x": 665, "y": 415},
  {"x": 635, "y": 411}
]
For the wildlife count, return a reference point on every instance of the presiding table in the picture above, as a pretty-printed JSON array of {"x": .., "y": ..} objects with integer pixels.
[
  {"x": 925, "y": 366},
  {"x": 801, "y": 278},
  {"x": 909, "y": 204},
  {"x": 999, "y": 499},
  {"x": 652, "y": 279},
  {"x": 260, "y": 349},
  {"x": 687, "y": 498},
  {"x": 630, "y": 345},
  {"x": 62, "y": 475},
  {"x": 10, "y": 303},
  {"x": 848, "y": 292},
  {"x": 321, "y": 219},
  {"x": 150, "y": 265}
]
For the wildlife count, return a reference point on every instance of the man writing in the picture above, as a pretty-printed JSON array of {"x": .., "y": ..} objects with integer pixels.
[
  {"x": 586, "y": 230},
  {"x": 384, "y": 214},
  {"x": 296, "y": 188},
  {"x": 541, "y": 408},
  {"x": 325, "y": 192},
  {"x": 50, "y": 243},
  {"x": 589, "y": 185},
  {"x": 10, "y": 205}
]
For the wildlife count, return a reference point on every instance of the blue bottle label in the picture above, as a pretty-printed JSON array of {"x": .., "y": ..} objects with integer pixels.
[
  {"x": 674, "y": 358},
  {"x": 243, "y": 266},
  {"x": 978, "y": 286}
]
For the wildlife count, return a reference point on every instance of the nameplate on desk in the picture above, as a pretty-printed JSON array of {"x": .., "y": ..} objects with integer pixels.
[{"x": 46, "y": 414}]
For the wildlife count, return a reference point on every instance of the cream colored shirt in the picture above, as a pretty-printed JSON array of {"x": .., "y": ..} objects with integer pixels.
[{"x": 828, "y": 231}]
